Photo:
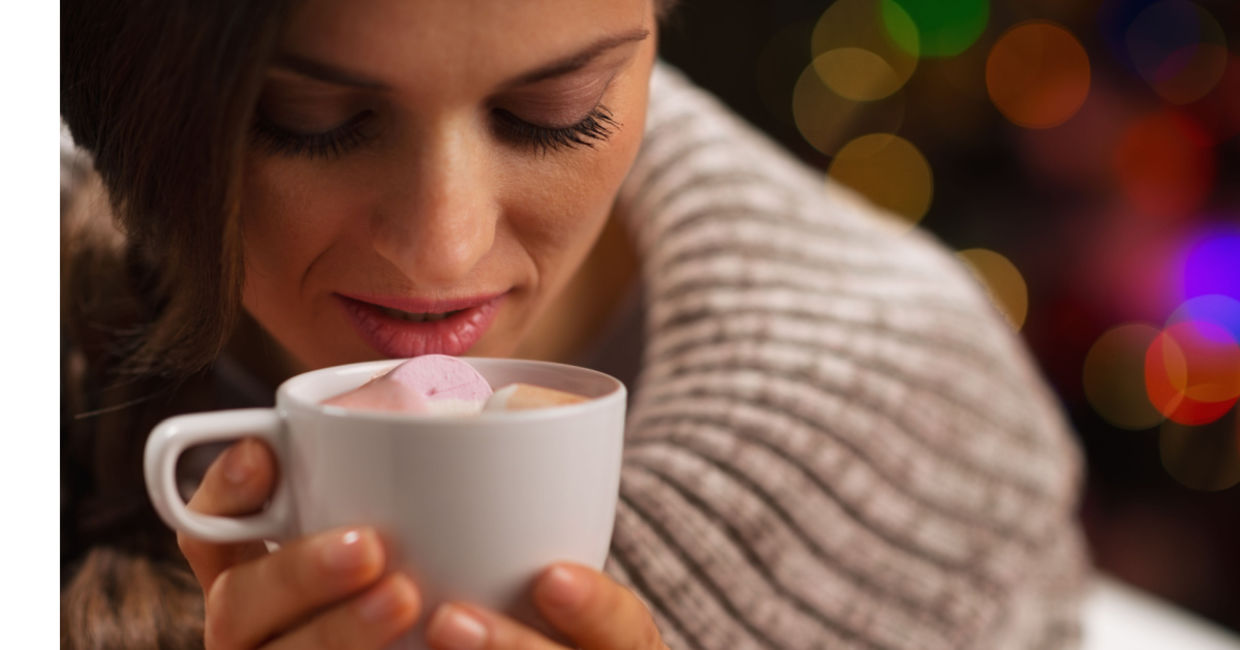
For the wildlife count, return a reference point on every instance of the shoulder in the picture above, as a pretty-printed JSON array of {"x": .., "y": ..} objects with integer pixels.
[
  {"x": 754, "y": 263},
  {"x": 812, "y": 373},
  {"x": 747, "y": 246},
  {"x": 712, "y": 197}
]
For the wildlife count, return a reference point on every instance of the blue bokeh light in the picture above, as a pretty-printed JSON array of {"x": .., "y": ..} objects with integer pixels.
[
  {"x": 1217, "y": 309},
  {"x": 1212, "y": 263}
]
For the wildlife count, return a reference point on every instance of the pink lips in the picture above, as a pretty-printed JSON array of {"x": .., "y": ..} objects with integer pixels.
[{"x": 395, "y": 337}]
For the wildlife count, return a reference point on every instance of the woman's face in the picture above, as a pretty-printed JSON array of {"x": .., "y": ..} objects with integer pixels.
[{"x": 426, "y": 176}]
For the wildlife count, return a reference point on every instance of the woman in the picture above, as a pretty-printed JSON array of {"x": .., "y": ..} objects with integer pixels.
[{"x": 833, "y": 441}]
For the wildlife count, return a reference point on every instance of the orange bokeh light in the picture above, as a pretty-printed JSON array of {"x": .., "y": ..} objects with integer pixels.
[
  {"x": 1037, "y": 74},
  {"x": 1112, "y": 376},
  {"x": 1192, "y": 372},
  {"x": 889, "y": 171}
]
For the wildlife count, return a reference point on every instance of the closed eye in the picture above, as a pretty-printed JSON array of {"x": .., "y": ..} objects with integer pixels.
[{"x": 595, "y": 127}]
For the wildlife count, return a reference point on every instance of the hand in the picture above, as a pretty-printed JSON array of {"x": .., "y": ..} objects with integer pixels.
[
  {"x": 322, "y": 591},
  {"x": 586, "y": 606}
]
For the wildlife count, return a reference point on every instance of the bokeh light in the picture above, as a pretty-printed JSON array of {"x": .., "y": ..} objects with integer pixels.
[
  {"x": 1165, "y": 165},
  {"x": 778, "y": 65},
  {"x": 889, "y": 171},
  {"x": 858, "y": 74},
  {"x": 1113, "y": 377},
  {"x": 1037, "y": 74},
  {"x": 1192, "y": 372},
  {"x": 1221, "y": 310},
  {"x": 1002, "y": 280},
  {"x": 935, "y": 28},
  {"x": 1212, "y": 263},
  {"x": 1204, "y": 457},
  {"x": 853, "y": 54},
  {"x": 828, "y": 121},
  {"x": 1178, "y": 48}
]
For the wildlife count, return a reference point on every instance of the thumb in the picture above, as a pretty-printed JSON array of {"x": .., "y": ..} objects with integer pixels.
[{"x": 238, "y": 483}]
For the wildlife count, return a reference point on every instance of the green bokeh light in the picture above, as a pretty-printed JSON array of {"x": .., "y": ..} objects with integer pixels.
[{"x": 935, "y": 28}]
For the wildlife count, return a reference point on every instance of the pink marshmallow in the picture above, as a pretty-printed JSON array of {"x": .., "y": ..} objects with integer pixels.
[
  {"x": 382, "y": 394},
  {"x": 439, "y": 376},
  {"x": 432, "y": 383}
]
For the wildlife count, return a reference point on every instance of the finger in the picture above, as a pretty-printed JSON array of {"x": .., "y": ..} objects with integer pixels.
[
  {"x": 593, "y": 610},
  {"x": 237, "y": 483},
  {"x": 373, "y": 619},
  {"x": 255, "y": 601},
  {"x": 457, "y": 626}
]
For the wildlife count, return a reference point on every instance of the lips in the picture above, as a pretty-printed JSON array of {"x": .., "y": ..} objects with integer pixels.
[{"x": 410, "y": 327}]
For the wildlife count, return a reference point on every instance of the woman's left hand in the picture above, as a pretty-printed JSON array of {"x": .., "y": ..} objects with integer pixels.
[{"x": 586, "y": 606}]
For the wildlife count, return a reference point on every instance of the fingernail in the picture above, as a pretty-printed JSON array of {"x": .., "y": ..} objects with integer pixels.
[
  {"x": 347, "y": 552},
  {"x": 562, "y": 589},
  {"x": 237, "y": 465},
  {"x": 453, "y": 628},
  {"x": 382, "y": 603}
]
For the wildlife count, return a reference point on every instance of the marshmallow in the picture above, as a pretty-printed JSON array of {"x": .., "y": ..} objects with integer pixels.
[
  {"x": 519, "y": 397},
  {"x": 435, "y": 384}
]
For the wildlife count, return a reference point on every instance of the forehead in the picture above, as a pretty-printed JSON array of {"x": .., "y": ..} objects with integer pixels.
[{"x": 445, "y": 45}]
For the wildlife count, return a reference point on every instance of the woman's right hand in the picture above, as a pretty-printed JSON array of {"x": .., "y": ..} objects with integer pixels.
[{"x": 326, "y": 590}]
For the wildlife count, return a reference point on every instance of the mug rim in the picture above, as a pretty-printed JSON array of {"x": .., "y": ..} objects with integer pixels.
[{"x": 286, "y": 397}]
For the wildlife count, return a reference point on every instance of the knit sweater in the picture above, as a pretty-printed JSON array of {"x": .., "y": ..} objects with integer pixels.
[{"x": 835, "y": 441}]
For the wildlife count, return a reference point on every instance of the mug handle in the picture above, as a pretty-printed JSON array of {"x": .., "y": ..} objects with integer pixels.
[{"x": 169, "y": 440}]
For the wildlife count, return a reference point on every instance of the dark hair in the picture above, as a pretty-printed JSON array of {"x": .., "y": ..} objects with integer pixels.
[{"x": 161, "y": 94}]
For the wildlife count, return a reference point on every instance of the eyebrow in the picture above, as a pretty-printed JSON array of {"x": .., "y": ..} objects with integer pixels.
[{"x": 315, "y": 69}]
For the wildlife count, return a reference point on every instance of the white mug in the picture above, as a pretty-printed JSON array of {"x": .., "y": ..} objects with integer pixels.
[{"x": 473, "y": 507}]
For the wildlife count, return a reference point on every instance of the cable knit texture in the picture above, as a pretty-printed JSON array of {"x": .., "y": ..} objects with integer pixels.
[{"x": 835, "y": 441}]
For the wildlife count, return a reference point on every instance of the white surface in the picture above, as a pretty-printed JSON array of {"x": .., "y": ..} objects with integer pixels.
[{"x": 1119, "y": 617}]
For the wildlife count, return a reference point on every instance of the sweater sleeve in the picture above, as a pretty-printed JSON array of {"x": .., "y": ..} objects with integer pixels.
[{"x": 835, "y": 441}]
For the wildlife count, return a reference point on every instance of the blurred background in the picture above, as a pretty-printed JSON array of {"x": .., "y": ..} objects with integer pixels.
[{"x": 1083, "y": 157}]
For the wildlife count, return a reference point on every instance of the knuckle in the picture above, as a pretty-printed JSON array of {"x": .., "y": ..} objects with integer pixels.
[
  {"x": 217, "y": 627},
  {"x": 195, "y": 552},
  {"x": 186, "y": 545}
]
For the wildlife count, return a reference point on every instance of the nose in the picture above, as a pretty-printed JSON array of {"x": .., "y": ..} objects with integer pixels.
[{"x": 438, "y": 217}]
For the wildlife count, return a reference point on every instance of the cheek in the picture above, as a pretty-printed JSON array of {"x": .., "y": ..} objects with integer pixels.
[
  {"x": 564, "y": 206},
  {"x": 280, "y": 219},
  {"x": 296, "y": 218},
  {"x": 295, "y": 213},
  {"x": 292, "y": 217}
]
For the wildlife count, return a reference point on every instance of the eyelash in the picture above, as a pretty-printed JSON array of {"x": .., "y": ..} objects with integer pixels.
[
  {"x": 328, "y": 144},
  {"x": 595, "y": 127}
]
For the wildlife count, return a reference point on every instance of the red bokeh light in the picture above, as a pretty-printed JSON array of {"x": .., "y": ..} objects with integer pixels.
[
  {"x": 1192, "y": 372},
  {"x": 1165, "y": 165}
]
